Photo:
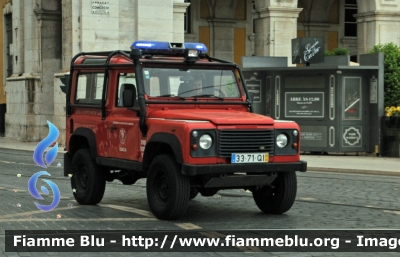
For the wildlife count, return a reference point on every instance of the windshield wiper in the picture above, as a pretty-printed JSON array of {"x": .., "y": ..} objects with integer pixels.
[
  {"x": 214, "y": 96},
  {"x": 170, "y": 95}
]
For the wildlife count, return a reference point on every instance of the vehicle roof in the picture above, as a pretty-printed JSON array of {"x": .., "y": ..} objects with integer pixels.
[{"x": 94, "y": 59}]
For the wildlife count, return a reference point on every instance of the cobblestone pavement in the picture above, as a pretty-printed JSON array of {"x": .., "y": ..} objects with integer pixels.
[{"x": 324, "y": 201}]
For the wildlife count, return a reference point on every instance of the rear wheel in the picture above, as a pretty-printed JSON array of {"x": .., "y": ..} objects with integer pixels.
[
  {"x": 193, "y": 193},
  {"x": 168, "y": 191},
  {"x": 279, "y": 197},
  {"x": 88, "y": 182}
]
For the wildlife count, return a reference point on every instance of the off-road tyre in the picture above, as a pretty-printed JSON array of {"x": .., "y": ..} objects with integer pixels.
[
  {"x": 193, "y": 193},
  {"x": 279, "y": 197},
  {"x": 168, "y": 190},
  {"x": 88, "y": 179}
]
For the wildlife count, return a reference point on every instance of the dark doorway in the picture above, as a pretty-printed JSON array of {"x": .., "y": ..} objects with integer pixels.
[{"x": 9, "y": 71}]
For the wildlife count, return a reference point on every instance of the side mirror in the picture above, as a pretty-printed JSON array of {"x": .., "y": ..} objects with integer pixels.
[
  {"x": 129, "y": 97},
  {"x": 65, "y": 83}
]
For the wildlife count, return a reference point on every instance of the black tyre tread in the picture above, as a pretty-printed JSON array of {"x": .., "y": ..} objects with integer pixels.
[
  {"x": 176, "y": 207},
  {"x": 97, "y": 180},
  {"x": 286, "y": 184}
]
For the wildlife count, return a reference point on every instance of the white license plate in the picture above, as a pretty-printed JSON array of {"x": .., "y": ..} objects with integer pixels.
[{"x": 249, "y": 157}]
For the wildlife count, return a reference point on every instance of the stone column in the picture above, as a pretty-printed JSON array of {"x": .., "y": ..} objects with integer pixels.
[
  {"x": 222, "y": 28},
  {"x": 179, "y": 19},
  {"x": 35, "y": 56},
  {"x": 155, "y": 20},
  {"x": 222, "y": 43},
  {"x": 377, "y": 27},
  {"x": 275, "y": 26}
]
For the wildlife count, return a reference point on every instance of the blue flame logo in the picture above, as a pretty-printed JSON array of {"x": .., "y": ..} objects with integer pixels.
[
  {"x": 32, "y": 189},
  {"x": 41, "y": 147},
  {"x": 49, "y": 158}
]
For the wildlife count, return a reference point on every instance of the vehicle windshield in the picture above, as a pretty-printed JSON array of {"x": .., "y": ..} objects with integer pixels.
[{"x": 175, "y": 82}]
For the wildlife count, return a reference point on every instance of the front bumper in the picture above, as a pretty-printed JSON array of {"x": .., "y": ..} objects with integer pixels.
[{"x": 253, "y": 168}]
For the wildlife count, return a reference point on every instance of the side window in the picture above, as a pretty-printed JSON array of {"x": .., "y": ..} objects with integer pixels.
[
  {"x": 126, "y": 81},
  {"x": 89, "y": 88}
]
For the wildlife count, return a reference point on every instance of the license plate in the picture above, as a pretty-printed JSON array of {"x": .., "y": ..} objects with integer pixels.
[{"x": 249, "y": 157}]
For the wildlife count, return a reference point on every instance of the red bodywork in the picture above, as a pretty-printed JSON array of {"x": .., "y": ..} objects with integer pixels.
[{"x": 119, "y": 135}]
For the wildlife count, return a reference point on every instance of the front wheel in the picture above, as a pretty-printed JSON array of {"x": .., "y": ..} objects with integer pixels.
[
  {"x": 168, "y": 191},
  {"x": 88, "y": 181},
  {"x": 279, "y": 197}
]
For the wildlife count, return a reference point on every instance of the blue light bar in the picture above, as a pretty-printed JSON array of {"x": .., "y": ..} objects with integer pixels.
[
  {"x": 160, "y": 47},
  {"x": 151, "y": 45},
  {"x": 199, "y": 46}
]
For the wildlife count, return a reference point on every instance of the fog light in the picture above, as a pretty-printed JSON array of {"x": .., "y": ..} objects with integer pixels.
[{"x": 193, "y": 53}]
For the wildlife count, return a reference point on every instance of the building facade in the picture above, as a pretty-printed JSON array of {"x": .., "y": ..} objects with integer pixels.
[{"x": 40, "y": 37}]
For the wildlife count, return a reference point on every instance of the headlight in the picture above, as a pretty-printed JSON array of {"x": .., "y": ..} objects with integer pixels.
[
  {"x": 205, "y": 141},
  {"x": 281, "y": 140}
]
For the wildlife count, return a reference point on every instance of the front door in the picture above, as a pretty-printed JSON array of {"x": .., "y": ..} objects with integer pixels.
[{"x": 123, "y": 123}]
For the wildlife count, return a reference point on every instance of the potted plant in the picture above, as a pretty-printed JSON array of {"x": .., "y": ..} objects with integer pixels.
[{"x": 394, "y": 115}]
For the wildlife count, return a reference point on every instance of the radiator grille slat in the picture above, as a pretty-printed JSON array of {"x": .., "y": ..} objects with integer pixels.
[{"x": 245, "y": 141}]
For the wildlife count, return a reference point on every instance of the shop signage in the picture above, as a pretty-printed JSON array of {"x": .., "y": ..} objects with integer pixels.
[
  {"x": 254, "y": 86},
  {"x": 100, "y": 7},
  {"x": 304, "y": 104},
  {"x": 351, "y": 137},
  {"x": 307, "y": 50}
]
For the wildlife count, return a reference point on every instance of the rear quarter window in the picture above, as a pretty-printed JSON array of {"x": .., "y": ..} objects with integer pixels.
[{"x": 89, "y": 88}]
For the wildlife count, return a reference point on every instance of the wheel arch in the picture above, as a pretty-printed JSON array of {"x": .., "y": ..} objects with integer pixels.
[
  {"x": 83, "y": 138},
  {"x": 162, "y": 143}
]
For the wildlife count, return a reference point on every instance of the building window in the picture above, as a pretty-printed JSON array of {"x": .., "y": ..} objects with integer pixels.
[
  {"x": 350, "y": 23},
  {"x": 187, "y": 18},
  {"x": 8, "y": 21},
  {"x": 254, "y": 20}
]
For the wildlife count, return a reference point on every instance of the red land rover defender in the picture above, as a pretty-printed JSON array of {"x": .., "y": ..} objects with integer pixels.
[{"x": 170, "y": 113}]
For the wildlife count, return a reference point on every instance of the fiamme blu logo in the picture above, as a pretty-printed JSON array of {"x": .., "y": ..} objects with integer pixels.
[{"x": 44, "y": 160}]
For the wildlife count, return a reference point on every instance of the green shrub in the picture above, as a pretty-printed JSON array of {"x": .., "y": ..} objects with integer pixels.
[
  {"x": 337, "y": 51},
  {"x": 392, "y": 72}
]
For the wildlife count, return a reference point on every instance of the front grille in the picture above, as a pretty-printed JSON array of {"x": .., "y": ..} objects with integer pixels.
[{"x": 245, "y": 141}]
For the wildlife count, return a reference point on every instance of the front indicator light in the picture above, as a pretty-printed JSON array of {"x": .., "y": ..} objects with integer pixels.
[
  {"x": 294, "y": 145},
  {"x": 281, "y": 140},
  {"x": 194, "y": 147},
  {"x": 205, "y": 141}
]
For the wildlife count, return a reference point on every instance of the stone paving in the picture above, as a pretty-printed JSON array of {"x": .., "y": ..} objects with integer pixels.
[{"x": 324, "y": 201}]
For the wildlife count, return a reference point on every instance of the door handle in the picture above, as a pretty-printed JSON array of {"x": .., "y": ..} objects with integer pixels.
[{"x": 113, "y": 128}]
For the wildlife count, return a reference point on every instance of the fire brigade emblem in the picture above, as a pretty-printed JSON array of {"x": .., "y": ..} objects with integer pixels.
[{"x": 122, "y": 135}]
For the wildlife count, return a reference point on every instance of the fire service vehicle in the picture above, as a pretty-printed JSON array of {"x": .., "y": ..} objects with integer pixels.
[{"x": 183, "y": 120}]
